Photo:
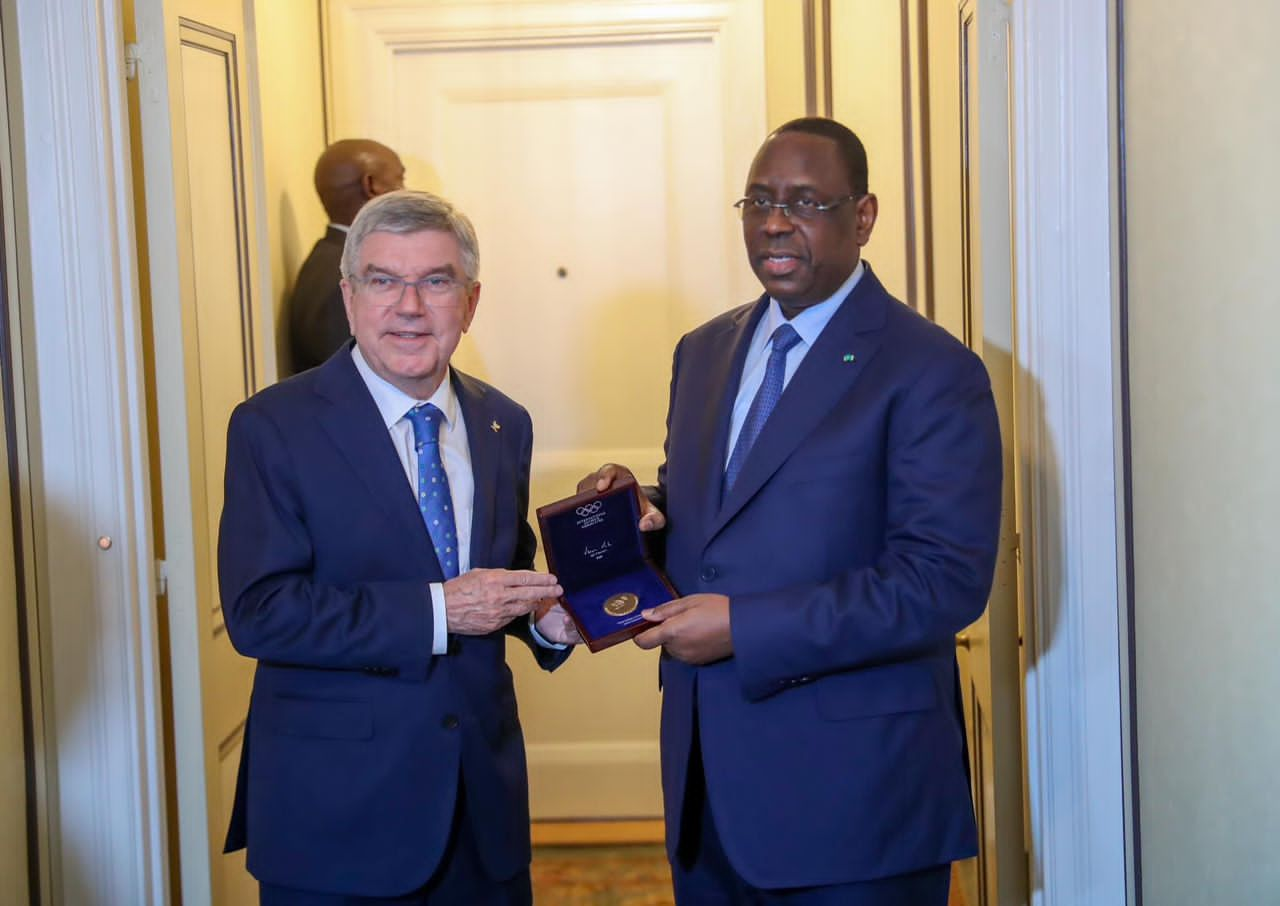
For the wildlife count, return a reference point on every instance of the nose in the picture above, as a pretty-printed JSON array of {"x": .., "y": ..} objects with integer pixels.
[
  {"x": 411, "y": 302},
  {"x": 776, "y": 222}
]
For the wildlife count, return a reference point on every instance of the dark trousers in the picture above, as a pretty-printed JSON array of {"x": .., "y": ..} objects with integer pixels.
[
  {"x": 459, "y": 880},
  {"x": 703, "y": 876}
]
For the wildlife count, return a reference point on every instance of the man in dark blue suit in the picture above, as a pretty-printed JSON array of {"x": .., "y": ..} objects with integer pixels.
[
  {"x": 349, "y": 173},
  {"x": 830, "y": 503},
  {"x": 374, "y": 553}
]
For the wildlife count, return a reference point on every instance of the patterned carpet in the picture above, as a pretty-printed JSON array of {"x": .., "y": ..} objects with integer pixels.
[
  {"x": 601, "y": 876},
  {"x": 613, "y": 876}
]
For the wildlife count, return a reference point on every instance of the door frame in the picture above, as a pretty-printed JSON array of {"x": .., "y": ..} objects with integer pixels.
[
  {"x": 83, "y": 345},
  {"x": 100, "y": 832},
  {"x": 1068, "y": 266}
]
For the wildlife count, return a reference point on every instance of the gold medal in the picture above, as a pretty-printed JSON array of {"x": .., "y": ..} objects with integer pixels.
[{"x": 621, "y": 604}]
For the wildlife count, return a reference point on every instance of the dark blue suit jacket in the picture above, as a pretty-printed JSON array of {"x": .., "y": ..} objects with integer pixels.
[
  {"x": 859, "y": 538},
  {"x": 357, "y": 734},
  {"x": 317, "y": 317}
]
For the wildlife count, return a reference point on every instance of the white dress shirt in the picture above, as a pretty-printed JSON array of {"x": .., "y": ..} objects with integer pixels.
[
  {"x": 808, "y": 324},
  {"x": 393, "y": 403}
]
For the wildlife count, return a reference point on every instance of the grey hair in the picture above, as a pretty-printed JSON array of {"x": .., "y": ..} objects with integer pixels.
[{"x": 408, "y": 211}]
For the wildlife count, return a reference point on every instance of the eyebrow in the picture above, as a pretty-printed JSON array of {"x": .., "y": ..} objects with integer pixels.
[
  {"x": 447, "y": 269},
  {"x": 765, "y": 189}
]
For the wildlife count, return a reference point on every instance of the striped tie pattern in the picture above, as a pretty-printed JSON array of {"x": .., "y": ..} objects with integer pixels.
[{"x": 766, "y": 398}]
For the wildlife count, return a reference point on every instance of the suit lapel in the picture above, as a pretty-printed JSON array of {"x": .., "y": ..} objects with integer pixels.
[
  {"x": 353, "y": 423},
  {"x": 831, "y": 367},
  {"x": 722, "y": 375},
  {"x": 483, "y": 444}
]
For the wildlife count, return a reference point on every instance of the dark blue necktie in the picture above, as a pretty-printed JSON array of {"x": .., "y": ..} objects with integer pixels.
[
  {"x": 766, "y": 398},
  {"x": 433, "y": 486}
]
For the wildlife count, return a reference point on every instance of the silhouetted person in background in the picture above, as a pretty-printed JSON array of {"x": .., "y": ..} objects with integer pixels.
[{"x": 348, "y": 173}]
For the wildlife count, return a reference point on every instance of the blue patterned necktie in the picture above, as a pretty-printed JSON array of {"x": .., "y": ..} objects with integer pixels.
[
  {"x": 766, "y": 398},
  {"x": 433, "y": 486}
]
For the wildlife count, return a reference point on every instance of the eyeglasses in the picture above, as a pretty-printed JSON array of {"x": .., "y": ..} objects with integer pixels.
[
  {"x": 434, "y": 290},
  {"x": 756, "y": 207}
]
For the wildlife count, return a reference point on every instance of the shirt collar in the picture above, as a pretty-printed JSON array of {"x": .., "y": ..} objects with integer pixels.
[
  {"x": 810, "y": 322},
  {"x": 393, "y": 403},
  {"x": 345, "y": 227}
]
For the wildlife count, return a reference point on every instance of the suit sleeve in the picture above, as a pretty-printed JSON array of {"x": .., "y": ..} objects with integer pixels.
[
  {"x": 274, "y": 608},
  {"x": 943, "y": 495},
  {"x": 657, "y": 494}
]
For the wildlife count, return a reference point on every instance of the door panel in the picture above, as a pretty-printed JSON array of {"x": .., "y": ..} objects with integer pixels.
[
  {"x": 203, "y": 240},
  {"x": 994, "y": 642},
  {"x": 598, "y": 157},
  {"x": 972, "y": 273}
]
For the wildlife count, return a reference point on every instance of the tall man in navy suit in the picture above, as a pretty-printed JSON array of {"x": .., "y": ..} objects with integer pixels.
[
  {"x": 373, "y": 555},
  {"x": 830, "y": 502}
]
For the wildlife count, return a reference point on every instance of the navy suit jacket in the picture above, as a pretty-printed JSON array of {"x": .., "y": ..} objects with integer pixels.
[
  {"x": 317, "y": 318},
  {"x": 357, "y": 735},
  {"x": 859, "y": 538}
]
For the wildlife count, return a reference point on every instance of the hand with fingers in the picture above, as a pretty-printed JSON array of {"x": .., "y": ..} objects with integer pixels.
[
  {"x": 610, "y": 474},
  {"x": 554, "y": 623},
  {"x": 693, "y": 629},
  {"x": 482, "y": 601}
]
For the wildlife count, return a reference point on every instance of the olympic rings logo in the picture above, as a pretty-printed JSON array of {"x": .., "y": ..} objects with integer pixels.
[{"x": 590, "y": 509}]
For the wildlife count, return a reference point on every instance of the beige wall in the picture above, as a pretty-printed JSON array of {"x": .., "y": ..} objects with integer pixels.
[
  {"x": 866, "y": 95},
  {"x": 287, "y": 34},
  {"x": 783, "y": 62},
  {"x": 1203, "y": 188}
]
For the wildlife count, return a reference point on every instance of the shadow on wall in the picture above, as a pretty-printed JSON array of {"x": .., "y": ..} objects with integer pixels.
[
  {"x": 1040, "y": 577},
  {"x": 292, "y": 255}
]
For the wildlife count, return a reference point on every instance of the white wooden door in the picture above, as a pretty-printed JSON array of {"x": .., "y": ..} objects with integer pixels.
[
  {"x": 203, "y": 240},
  {"x": 598, "y": 148},
  {"x": 968, "y": 132}
]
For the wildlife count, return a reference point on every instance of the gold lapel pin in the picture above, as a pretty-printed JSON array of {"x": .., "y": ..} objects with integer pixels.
[{"x": 495, "y": 427}]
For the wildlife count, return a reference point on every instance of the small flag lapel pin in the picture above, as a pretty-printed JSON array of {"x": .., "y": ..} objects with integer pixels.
[{"x": 849, "y": 358}]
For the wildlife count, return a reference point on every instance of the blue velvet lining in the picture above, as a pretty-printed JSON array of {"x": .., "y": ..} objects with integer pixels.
[
  {"x": 597, "y": 552},
  {"x": 588, "y": 603}
]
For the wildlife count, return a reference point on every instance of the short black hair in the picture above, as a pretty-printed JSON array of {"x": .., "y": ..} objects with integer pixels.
[{"x": 848, "y": 144}]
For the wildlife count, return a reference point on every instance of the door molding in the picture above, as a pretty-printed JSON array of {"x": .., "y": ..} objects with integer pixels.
[
  {"x": 1067, "y": 276},
  {"x": 100, "y": 737},
  {"x": 378, "y": 30}
]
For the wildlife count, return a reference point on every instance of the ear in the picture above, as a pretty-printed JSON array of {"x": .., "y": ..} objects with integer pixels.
[
  {"x": 471, "y": 303},
  {"x": 348, "y": 303},
  {"x": 369, "y": 186},
  {"x": 865, "y": 210}
]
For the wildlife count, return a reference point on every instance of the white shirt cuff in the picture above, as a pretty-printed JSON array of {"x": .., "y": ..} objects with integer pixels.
[
  {"x": 440, "y": 623},
  {"x": 537, "y": 636}
]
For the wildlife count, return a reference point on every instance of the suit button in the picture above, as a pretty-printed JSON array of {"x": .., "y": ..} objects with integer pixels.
[
  {"x": 450, "y": 722},
  {"x": 708, "y": 574}
]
